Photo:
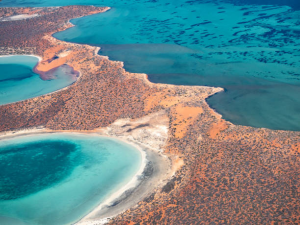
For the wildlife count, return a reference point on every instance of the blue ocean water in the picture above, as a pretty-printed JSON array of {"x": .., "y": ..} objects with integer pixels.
[
  {"x": 73, "y": 172},
  {"x": 249, "y": 47},
  {"x": 18, "y": 82}
]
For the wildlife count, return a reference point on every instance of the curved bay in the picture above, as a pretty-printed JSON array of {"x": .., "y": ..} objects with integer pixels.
[
  {"x": 18, "y": 81},
  {"x": 74, "y": 172}
]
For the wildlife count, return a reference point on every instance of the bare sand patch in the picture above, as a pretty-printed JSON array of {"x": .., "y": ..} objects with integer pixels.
[{"x": 19, "y": 17}]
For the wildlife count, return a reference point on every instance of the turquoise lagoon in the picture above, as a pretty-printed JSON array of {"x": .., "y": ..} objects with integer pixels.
[
  {"x": 18, "y": 81},
  {"x": 248, "y": 47},
  {"x": 58, "y": 178}
]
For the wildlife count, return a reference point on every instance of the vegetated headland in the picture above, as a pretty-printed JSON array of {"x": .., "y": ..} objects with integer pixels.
[{"x": 222, "y": 173}]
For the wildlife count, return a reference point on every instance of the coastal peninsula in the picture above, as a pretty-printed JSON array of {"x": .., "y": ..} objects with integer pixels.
[{"x": 218, "y": 173}]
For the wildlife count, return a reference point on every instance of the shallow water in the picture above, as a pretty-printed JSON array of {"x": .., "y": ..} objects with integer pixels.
[
  {"x": 206, "y": 43},
  {"x": 73, "y": 172},
  {"x": 252, "y": 51},
  {"x": 18, "y": 81}
]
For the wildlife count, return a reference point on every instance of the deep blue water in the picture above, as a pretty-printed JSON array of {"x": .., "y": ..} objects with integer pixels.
[
  {"x": 249, "y": 47},
  {"x": 56, "y": 179}
]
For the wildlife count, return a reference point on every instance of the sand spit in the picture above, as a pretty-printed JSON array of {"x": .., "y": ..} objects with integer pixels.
[
  {"x": 224, "y": 172},
  {"x": 49, "y": 75}
]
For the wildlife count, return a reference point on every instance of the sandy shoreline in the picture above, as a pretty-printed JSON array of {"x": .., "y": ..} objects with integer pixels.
[
  {"x": 36, "y": 56},
  {"x": 154, "y": 169}
]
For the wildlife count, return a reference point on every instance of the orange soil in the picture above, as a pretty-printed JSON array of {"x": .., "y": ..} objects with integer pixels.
[
  {"x": 184, "y": 117},
  {"x": 217, "y": 128}
]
